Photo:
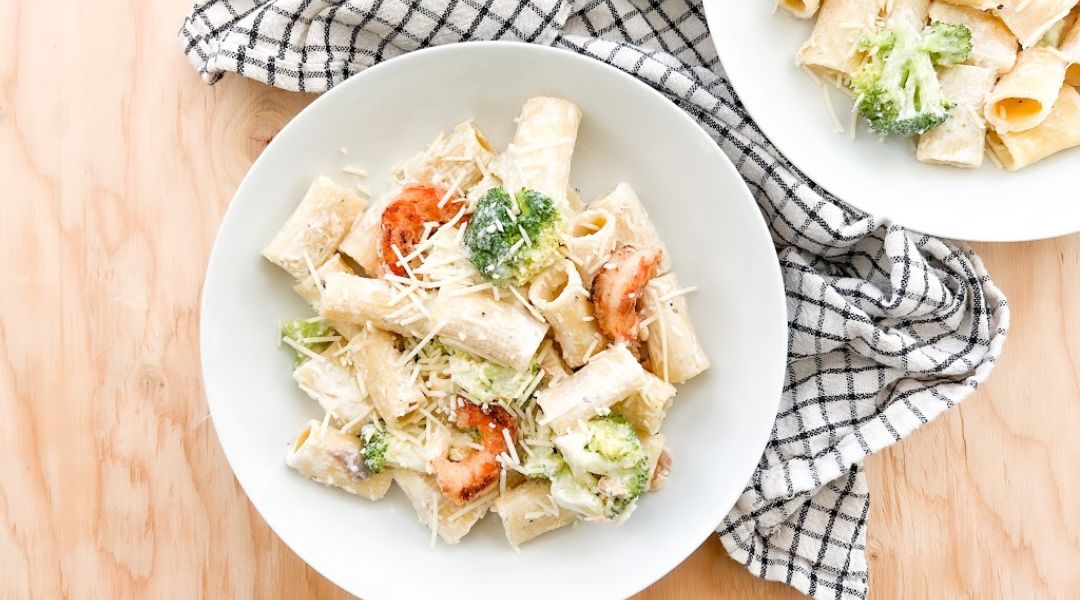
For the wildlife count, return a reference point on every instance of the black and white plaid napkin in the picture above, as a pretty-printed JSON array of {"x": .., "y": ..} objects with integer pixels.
[{"x": 888, "y": 328}]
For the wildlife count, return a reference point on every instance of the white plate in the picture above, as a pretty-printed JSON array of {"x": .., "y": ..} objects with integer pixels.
[
  {"x": 757, "y": 49},
  {"x": 720, "y": 423}
]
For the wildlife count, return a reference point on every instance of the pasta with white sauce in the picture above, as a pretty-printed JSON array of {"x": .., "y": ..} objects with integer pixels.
[
  {"x": 483, "y": 340},
  {"x": 962, "y": 78}
]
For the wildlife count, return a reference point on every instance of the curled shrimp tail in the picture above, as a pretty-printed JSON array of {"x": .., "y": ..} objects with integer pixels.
[
  {"x": 403, "y": 221},
  {"x": 617, "y": 289},
  {"x": 467, "y": 478}
]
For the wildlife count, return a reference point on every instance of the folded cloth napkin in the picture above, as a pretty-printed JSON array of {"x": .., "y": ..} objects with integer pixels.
[{"x": 888, "y": 328}]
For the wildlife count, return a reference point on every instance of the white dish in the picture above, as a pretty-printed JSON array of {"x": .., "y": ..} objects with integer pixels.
[
  {"x": 702, "y": 209},
  {"x": 757, "y": 49}
]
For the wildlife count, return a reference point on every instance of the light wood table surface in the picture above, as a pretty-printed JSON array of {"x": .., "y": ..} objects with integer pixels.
[{"x": 116, "y": 165}]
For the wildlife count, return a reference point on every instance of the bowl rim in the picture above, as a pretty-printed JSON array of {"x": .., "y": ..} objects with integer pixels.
[
  {"x": 368, "y": 589},
  {"x": 740, "y": 73}
]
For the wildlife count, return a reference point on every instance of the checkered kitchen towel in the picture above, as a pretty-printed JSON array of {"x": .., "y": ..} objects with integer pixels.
[{"x": 888, "y": 328}]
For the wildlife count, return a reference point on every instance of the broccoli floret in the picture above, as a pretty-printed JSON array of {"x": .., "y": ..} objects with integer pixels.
[
  {"x": 543, "y": 463},
  {"x": 614, "y": 438},
  {"x": 898, "y": 89},
  {"x": 384, "y": 451},
  {"x": 375, "y": 447},
  {"x": 579, "y": 495},
  {"x": 609, "y": 458},
  {"x": 497, "y": 247},
  {"x": 302, "y": 329},
  {"x": 948, "y": 43},
  {"x": 484, "y": 381}
]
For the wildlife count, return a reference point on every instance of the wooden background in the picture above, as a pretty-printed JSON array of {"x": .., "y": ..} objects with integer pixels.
[{"x": 116, "y": 165}]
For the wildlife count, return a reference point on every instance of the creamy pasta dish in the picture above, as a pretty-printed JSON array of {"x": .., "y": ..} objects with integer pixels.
[
  {"x": 960, "y": 77},
  {"x": 483, "y": 339}
]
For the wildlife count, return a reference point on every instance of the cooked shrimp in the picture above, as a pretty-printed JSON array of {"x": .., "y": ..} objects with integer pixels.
[
  {"x": 403, "y": 220},
  {"x": 465, "y": 479},
  {"x": 617, "y": 288}
]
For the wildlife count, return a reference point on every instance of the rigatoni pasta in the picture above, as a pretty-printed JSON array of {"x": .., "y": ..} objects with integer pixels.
[
  {"x": 802, "y": 9},
  {"x": 386, "y": 377},
  {"x": 591, "y": 238},
  {"x": 648, "y": 406},
  {"x": 539, "y": 157},
  {"x": 608, "y": 378},
  {"x": 1023, "y": 98},
  {"x": 448, "y": 520},
  {"x": 361, "y": 243},
  {"x": 675, "y": 354},
  {"x": 479, "y": 364},
  {"x": 1029, "y": 20},
  {"x": 910, "y": 12},
  {"x": 528, "y": 511},
  {"x": 361, "y": 300},
  {"x": 961, "y": 140},
  {"x": 498, "y": 331},
  {"x": 459, "y": 159},
  {"x": 313, "y": 231},
  {"x": 311, "y": 290},
  {"x": 1060, "y": 131},
  {"x": 335, "y": 387},
  {"x": 633, "y": 226},
  {"x": 993, "y": 46},
  {"x": 559, "y": 295},
  {"x": 332, "y": 458},
  {"x": 832, "y": 49},
  {"x": 1070, "y": 49},
  {"x": 921, "y": 68}
]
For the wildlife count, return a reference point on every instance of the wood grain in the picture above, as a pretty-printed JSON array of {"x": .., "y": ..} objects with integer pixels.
[{"x": 117, "y": 167}]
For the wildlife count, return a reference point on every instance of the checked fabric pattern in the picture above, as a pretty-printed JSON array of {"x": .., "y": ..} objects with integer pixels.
[{"x": 888, "y": 328}]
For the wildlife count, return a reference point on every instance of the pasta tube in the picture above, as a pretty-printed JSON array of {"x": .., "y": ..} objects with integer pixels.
[
  {"x": 528, "y": 511},
  {"x": 1024, "y": 97},
  {"x": 675, "y": 354},
  {"x": 335, "y": 459},
  {"x": 961, "y": 140},
  {"x": 362, "y": 242},
  {"x": 1061, "y": 130},
  {"x": 659, "y": 461},
  {"x": 912, "y": 12},
  {"x": 435, "y": 511},
  {"x": 802, "y": 9},
  {"x": 609, "y": 377},
  {"x": 539, "y": 157},
  {"x": 591, "y": 240},
  {"x": 1029, "y": 20},
  {"x": 312, "y": 233},
  {"x": 832, "y": 48},
  {"x": 457, "y": 160},
  {"x": 1070, "y": 48},
  {"x": 501, "y": 332},
  {"x": 311, "y": 291},
  {"x": 334, "y": 387},
  {"x": 555, "y": 369},
  {"x": 977, "y": 4},
  {"x": 560, "y": 296},
  {"x": 360, "y": 300},
  {"x": 993, "y": 46},
  {"x": 632, "y": 223},
  {"x": 375, "y": 355},
  {"x": 647, "y": 407},
  {"x": 573, "y": 200}
]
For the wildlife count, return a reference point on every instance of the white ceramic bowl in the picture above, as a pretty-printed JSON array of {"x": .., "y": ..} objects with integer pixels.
[
  {"x": 717, "y": 429},
  {"x": 757, "y": 49}
]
